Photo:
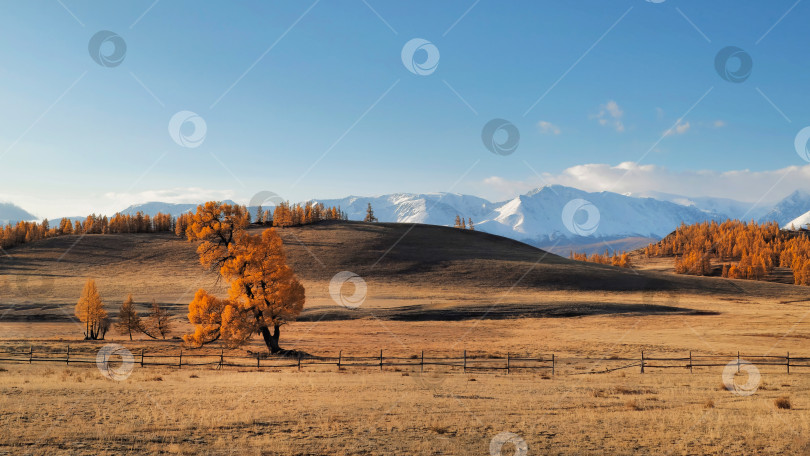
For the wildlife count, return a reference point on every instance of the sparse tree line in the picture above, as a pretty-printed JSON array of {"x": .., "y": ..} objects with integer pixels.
[
  {"x": 620, "y": 259},
  {"x": 742, "y": 250},
  {"x": 25, "y": 232},
  {"x": 283, "y": 215},
  {"x": 90, "y": 311},
  {"x": 464, "y": 225}
]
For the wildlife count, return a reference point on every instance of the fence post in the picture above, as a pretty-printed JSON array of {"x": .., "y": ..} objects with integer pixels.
[
  {"x": 340, "y": 355},
  {"x": 299, "y": 360},
  {"x": 30, "y": 354},
  {"x": 142, "y": 357},
  {"x": 642, "y": 361},
  {"x": 465, "y": 360},
  {"x": 221, "y": 357},
  {"x": 788, "y": 362},
  {"x": 180, "y": 363},
  {"x": 258, "y": 357},
  {"x": 67, "y": 360},
  {"x": 738, "y": 362},
  {"x": 552, "y": 364},
  {"x": 381, "y": 362},
  {"x": 690, "y": 361},
  {"x": 507, "y": 362},
  {"x": 422, "y": 363}
]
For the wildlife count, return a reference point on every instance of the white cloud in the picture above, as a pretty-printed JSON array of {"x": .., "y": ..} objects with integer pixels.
[
  {"x": 679, "y": 128},
  {"x": 610, "y": 114},
  {"x": 53, "y": 206},
  {"x": 632, "y": 178},
  {"x": 548, "y": 128},
  {"x": 719, "y": 123},
  {"x": 174, "y": 195}
]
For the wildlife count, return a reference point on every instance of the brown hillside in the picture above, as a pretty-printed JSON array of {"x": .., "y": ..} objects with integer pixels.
[{"x": 412, "y": 271}]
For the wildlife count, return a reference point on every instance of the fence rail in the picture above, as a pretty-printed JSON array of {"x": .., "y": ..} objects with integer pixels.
[{"x": 463, "y": 361}]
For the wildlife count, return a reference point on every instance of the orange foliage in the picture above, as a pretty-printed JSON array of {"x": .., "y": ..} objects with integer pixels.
[
  {"x": 90, "y": 310},
  {"x": 621, "y": 260},
  {"x": 756, "y": 249},
  {"x": 287, "y": 215},
  {"x": 264, "y": 291},
  {"x": 24, "y": 232}
]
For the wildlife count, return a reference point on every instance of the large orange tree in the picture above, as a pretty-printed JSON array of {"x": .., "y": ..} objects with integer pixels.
[{"x": 264, "y": 292}]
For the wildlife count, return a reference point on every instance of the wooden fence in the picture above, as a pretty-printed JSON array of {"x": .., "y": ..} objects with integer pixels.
[{"x": 464, "y": 362}]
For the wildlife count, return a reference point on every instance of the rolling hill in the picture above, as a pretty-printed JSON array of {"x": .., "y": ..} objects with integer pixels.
[{"x": 413, "y": 271}]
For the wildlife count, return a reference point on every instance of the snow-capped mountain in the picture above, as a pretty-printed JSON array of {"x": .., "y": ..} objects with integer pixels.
[
  {"x": 723, "y": 206},
  {"x": 791, "y": 207},
  {"x": 551, "y": 216},
  {"x": 799, "y": 222},
  {"x": 10, "y": 213},
  {"x": 539, "y": 217},
  {"x": 428, "y": 208}
]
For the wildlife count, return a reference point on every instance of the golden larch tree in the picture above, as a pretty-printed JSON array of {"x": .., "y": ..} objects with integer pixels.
[
  {"x": 264, "y": 292},
  {"x": 90, "y": 310}
]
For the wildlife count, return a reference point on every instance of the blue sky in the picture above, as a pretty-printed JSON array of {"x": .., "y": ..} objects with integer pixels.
[{"x": 312, "y": 99}]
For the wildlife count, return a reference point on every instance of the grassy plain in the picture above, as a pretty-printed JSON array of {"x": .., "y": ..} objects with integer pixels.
[{"x": 437, "y": 290}]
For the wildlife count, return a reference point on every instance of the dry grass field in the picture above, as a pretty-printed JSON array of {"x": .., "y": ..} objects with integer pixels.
[
  {"x": 66, "y": 410},
  {"x": 437, "y": 290}
]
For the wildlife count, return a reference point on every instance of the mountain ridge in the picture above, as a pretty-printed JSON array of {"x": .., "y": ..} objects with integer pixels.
[{"x": 552, "y": 217}]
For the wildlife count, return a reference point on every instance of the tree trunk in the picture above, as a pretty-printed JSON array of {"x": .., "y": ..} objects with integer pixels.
[{"x": 271, "y": 339}]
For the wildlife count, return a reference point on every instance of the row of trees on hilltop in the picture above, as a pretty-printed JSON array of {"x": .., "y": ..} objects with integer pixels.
[
  {"x": 742, "y": 250},
  {"x": 296, "y": 215},
  {"x": 460, "y": 223},
  {"x": 283, "y": 215},
  {"x": 90, "y": 311},
  {"x": 24, "y": 232},
  {"x": 621, "y": 259}
]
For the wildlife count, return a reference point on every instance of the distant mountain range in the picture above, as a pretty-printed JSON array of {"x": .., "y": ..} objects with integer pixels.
[
  {"x": 555, "y": 218},
  {"x": 10, "y": 213}
]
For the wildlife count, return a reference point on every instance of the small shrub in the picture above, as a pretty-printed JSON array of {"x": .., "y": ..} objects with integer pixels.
[
  {"x": 156, "y": 379},
  {"x": 406, "y": 374},
  {"x": 471, "y": 380},
  {"x": 439, "y": 429},
  {"x": 193, "y": 376},
  {"x": 633, "y": 404},
  {"x": 782, "y": 402},
  {"x": 709, "y": 404}
]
